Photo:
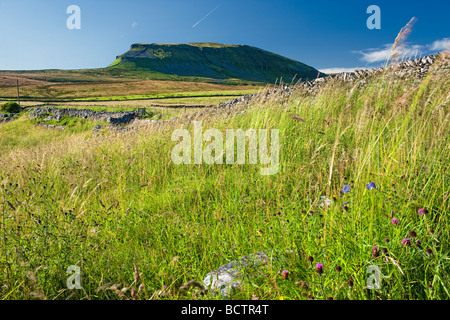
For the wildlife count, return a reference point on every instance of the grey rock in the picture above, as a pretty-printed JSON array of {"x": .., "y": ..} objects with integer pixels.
[
  {"x": 226, "y": 280},
  {"x": 230, "y": 277},
  {"x": 97, "y": 128}
]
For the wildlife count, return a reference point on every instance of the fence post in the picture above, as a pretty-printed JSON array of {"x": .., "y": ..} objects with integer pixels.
[{"x": 18, "y": 92}]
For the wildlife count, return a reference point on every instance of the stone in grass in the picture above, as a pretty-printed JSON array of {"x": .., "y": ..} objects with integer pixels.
[
  {"x": 226, "y": 280},
  {"x": 97, "y": 128}
]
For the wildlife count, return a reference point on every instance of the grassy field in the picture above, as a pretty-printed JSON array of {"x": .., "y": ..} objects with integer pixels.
[
  {"x": 116, "y": 206},
  {"x": 118, "y": 90}
]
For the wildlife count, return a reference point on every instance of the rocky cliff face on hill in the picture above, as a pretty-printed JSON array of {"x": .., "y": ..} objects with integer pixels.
[{"x": 214, "y": 61}]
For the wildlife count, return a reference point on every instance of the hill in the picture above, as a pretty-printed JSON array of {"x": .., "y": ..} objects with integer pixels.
[{"x": 212, "y": 61}]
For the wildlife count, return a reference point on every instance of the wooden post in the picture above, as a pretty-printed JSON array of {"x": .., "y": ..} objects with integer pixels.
[
  {"x": 141, "y": 112},
  {"x": 18, "y": 92}
]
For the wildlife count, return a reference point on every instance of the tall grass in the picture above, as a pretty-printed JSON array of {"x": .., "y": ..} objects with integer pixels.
[{"x": 112, "y": 203}]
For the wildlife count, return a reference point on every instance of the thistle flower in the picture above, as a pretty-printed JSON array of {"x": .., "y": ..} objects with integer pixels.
[
  {"x": 418, "y": 242},
  {"x": 310, "y": 259},
  {"x": 350, "y": 283},
  {"x": 164, "y": 250},
  {"x": 412, "y": 234},
  {"x": 319, "y": 268},
  {"x": 406, "y": 242},
  {"x": 375, "y": 252},
  {"x": 285, "y": 274},
  {"x": 395, "y": 221},
  {"x": 371, "y": 186},
  {"x": 338, "y": 268},
  {"x": 422, "y": 211}
]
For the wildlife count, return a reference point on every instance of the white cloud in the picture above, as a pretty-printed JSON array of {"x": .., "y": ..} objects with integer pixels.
[
  {"x": 440, "y": 45},
  {"x": 404, "y": 51},
  {"x": 375, "y": 55},
  {"x": 340, "y": 70},
  {"x": 134, "y": 24},
  {"x": 379, "y": 55}
]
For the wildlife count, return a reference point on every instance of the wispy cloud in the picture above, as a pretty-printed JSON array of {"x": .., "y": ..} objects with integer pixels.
[
  {"x": 340, "y": 70},
  {"x": 407, "y": 50},
  {"x": 206, "y": 16},
  {"x": 441, "y": 45},
  {"x": 134, "y": 24},
  {"x": 383, "y": 54}
]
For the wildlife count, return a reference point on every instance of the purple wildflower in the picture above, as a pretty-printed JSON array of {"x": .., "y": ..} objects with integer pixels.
[
  {"x": 406, "y": 242},
  {"x": 395, "y": 221},
  {"x": 375, "y": 252},
  {"x": 371, "y": 186},
  {"x": 319, "y": 268},
  {"x": 285, "y": 274},
  {"x": 346, "y": 189},
  {"x": 422, "y": 211}
]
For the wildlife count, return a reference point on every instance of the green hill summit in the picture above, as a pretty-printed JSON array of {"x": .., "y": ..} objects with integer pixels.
[{"x": 212, "y": 61}]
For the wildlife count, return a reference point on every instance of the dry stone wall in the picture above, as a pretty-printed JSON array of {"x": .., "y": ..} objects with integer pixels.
[{"x": 113, "y": 118}]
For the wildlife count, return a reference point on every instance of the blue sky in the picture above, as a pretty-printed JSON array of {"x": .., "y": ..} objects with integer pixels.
[{"x": 323, "y": 34}]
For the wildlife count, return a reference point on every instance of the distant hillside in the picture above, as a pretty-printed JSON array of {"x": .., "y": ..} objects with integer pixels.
[{"x": 213, "y": 61}]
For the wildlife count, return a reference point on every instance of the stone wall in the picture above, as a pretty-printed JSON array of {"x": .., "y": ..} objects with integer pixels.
[
  {"x": 5, "y": 117},
  {"x": 415, "y": 69},
  {"x": 113, "y": 118}
]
